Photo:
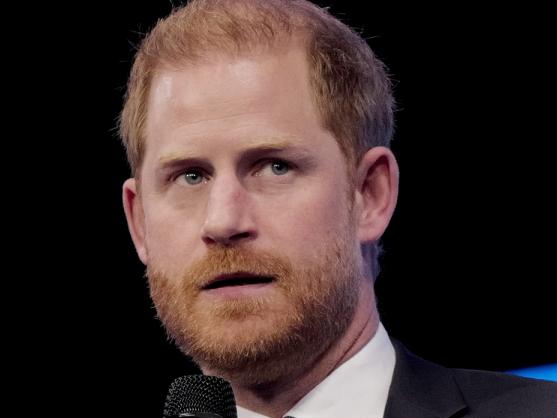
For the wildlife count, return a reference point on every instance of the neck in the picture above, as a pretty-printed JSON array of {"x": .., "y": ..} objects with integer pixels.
[{"x": 276, "y": 399}]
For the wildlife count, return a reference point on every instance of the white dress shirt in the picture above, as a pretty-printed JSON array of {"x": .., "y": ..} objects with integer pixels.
[{"x": 357, "y": 389}]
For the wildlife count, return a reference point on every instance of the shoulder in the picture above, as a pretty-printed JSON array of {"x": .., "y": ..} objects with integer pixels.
[
  {"x": 500, "y": 394},
  {"x": 418, "y": 383}
]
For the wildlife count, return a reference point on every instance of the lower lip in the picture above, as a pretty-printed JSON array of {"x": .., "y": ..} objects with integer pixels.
[{"x": 247, "y": 290}]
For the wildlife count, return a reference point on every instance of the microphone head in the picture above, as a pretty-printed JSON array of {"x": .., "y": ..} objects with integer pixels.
[{"x": 199, "y": 395}]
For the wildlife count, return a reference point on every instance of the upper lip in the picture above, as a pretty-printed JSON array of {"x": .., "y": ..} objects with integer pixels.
[{"x": 221, "y": 278}]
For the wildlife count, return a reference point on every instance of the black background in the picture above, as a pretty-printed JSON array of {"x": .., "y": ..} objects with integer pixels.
[{"x": 468, "y": 275}]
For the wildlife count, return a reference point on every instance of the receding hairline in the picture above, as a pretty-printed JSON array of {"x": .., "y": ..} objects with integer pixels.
[
  {"x": 286, "y": 44},
  {"x": 282, "y": 44},
  {"x": 276, "y": 25}
]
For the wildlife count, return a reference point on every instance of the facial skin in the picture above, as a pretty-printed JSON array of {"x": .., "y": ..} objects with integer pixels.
[{"x": 240, "y": 179}]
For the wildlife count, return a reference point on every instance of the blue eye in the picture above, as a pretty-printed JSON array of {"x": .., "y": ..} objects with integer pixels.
[
  {"x": 279, "y": 168},
  {"x": 193, "y": 177}
]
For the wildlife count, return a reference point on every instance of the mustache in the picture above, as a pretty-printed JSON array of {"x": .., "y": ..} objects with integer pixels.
[{"x": 232, "y": 261}]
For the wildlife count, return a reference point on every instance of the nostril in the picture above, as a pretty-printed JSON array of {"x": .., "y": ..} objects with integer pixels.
[
  {"x": 228, "y": 240},
  {"x": 237, "y": 237}
]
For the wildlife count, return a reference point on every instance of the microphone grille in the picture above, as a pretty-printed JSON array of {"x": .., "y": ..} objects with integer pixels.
[{"x": 200, "y": 394}]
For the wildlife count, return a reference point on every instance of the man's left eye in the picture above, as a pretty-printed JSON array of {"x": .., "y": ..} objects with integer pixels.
[{"x": 280, "y": 168}]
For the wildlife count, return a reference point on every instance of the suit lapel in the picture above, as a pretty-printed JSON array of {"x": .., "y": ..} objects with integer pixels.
[{"x": 421, "y": 389}]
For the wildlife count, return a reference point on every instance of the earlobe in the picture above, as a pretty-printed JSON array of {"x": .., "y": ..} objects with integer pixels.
[
  {"x": 377, "y": 192},
  {"x": 133, "y": 209}
]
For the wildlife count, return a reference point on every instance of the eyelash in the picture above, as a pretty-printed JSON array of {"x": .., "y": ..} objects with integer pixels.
[
  {"x": 260, "y": 166},
  {"x": 270, "y": 162}
]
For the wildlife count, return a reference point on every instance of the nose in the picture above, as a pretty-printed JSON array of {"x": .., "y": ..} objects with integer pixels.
[{"x": 228, "y": 219}]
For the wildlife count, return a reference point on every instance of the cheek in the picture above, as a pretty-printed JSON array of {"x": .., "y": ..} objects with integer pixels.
[
  {"x": 310, "y": 219},
  {"x": 171, "y": 220},
  {"x": 170, "y": 242}
]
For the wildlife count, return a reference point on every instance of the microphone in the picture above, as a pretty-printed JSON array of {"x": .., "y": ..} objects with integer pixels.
[{"x": 200, "y": 396}]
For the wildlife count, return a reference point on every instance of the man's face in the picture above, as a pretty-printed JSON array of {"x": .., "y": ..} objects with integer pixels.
[{"x": 245, "y": 216}]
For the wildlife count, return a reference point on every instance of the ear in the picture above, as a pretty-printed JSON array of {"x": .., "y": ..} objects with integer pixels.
[
  {"x": 133, "y": 208},
  {"x": 376, "y": 193}
]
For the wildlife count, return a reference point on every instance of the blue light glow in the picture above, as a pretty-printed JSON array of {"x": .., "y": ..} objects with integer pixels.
[{"x": 546, "y": 372}]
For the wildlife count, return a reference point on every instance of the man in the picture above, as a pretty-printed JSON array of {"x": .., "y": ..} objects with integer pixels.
[{"x": 258, "y": 134}]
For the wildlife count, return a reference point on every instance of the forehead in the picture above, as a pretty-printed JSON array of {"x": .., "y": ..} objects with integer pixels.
[
  {"x": 227, "y": 105},
  {"x": 223, "y": 85},
  {"x": 269, "y": 87}
]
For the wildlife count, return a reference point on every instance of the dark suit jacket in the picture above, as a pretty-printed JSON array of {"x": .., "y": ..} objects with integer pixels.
[{"x": 421, "y": 389}]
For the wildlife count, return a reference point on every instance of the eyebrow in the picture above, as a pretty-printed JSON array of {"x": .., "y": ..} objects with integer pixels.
[{"x": 292, "y": 147}]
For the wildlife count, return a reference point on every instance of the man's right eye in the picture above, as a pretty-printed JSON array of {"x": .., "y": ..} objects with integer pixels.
[{"x": 192, "y": 177}]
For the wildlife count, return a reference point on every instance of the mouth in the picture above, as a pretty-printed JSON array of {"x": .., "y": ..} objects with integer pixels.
[{"x": 240, "y": 279}]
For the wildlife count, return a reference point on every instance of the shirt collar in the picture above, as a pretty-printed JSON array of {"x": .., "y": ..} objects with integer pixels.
[{"x": 359, "y": 387}]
